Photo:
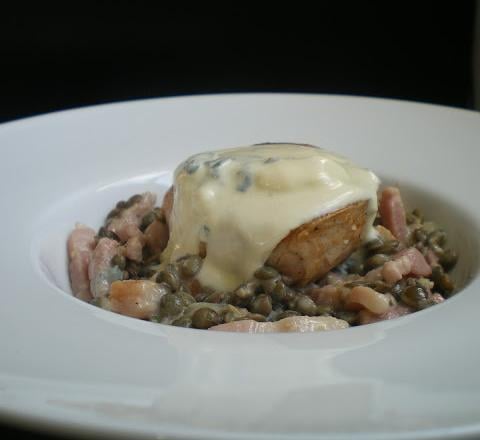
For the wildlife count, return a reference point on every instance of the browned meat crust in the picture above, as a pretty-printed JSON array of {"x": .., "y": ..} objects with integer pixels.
[{"x": 308, "y": 252}]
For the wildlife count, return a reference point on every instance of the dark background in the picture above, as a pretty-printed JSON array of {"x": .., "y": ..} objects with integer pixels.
[
  {"x": 55, "y": 59},
  {"x": 52, "y": 59}
]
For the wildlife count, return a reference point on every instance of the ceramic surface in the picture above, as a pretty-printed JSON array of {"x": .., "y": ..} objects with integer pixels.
[{"x": 70, "y": 367}]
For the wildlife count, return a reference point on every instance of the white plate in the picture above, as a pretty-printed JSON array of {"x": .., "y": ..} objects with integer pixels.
[{"x": 71, "y": 367}]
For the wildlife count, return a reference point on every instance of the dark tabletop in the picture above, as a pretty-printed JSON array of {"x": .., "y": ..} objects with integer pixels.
[
  {"x": 54, "y": 59},
  {"x": 9, "y": 432}
]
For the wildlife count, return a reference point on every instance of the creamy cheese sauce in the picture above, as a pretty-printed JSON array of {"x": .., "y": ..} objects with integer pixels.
[{"x": 243, "y": 201}]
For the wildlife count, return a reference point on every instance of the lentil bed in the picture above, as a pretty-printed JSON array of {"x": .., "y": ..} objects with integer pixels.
[{"x": 270, "y": 296}]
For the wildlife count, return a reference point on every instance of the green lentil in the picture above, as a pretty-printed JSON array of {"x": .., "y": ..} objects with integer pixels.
[
  {"x": 113, "y": 213},
  {"x": 147, "y": 220},
  {"x": 437, "y": 237},
  {"x": 205, "y": 318},
  {"x": 219, "y": 297},
  {"x": 145, "y": 272},
  {"x": 190, "y": 266},
  {"x": 374, "y": 244},
  {"x": 280, "y": 292},
  {"x": 119, "y": 261},
  {"x": 265, "y": 273},
  {"x": 269, "y": 285},
  {"x": 414, "y": 296},
  {"x": 442, "y": 281},
  {"x": 350, "y": 317},
  {"x": 133, "y": 268},
  {"x": 448, "y": 259},
  {"x": 105, "y": 233},
  {"x": 288, "y": 281},
  {"x": 376, "y": 261},
  {"x": 397, "y": 289},
  {"x": 133, "y": 200},
  {"x": 256, "y": 317},
  {"x": 183, "y": 322},
  {"x": 389, "y": 247},
  {"x": 305, "y": 305},
  {"x": 171, "y": 305},
  {"x": 261, "y": 304},
  {"x": 420, "y": 235},
  {"x": 186, "y": 298},
  {"x": 323, "y": 310},
  {"x": 246, "y": 291},
  {"x": 287, "y": 314},
  {"x": 169, "y": 276}
]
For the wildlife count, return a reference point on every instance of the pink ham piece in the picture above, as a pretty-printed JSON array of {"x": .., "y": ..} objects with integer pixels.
[
  {"x": 328, "y": 295},
  {"x": 300, "y": 324},
  {"x": 392, "y": 213},
  {"x": 393, "y": 271},
  {"x": 127, "y": 224},
  {"x": 100, "y": 270},
  {"x": 367, "y": 298},
  {"x": 407, "y": 262},
  {"x": 80, "y": 245},
  {"x": 367, "y": 317},
  {"x": 420, "y": 267},
  {"x": 136, "y": 298},
  {"x": 134, "y": 248}
]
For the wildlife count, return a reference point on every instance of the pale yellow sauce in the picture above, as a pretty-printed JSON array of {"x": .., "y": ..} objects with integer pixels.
[{"x": 243, "y": 201}]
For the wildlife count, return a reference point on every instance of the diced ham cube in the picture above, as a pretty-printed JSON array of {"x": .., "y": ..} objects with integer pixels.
[
  {"x": 407, "y": 262},
  {"x": 101, "y": 272},
  {"x": 136, "y": 298},
  {"x": 392, "y": 213},
  {"x": 420, "y": 266},
  {"x": 127, "y": 224},
  {"x": 134, "y": 247},
  {"x": 80, "y": 245},
  {"x": 367, "y": 317},
  {"x": 299, "y": 324}
]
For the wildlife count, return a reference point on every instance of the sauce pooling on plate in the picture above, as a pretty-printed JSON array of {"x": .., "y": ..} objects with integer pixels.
[{"x": 240, "y": 203}]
